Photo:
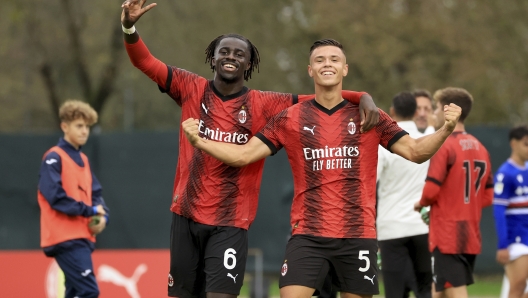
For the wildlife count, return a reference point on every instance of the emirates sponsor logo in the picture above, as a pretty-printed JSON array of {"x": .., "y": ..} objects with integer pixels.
[
  {"x": 331, "y": 158},
  {"x": 222, "y": 136}
]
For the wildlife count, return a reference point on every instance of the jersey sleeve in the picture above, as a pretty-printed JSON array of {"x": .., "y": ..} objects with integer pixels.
[
  {"x": 271, "y": 103},
  {"x": 388, "y": 130},
  {"x": 503, "y": 192},
  {"x": 440, "y": 164},
  {"x": 274, "y": 134},
  {"x": 178, "y": 83}
]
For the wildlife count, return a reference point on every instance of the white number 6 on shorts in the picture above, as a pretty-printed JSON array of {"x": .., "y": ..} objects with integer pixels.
[{"x": 230, "y": 254}]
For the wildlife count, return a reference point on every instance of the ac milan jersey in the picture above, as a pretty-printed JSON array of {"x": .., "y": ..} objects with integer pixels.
[
  {"x": 334, "y": 167},
  {"x": 462, "y": 169}
]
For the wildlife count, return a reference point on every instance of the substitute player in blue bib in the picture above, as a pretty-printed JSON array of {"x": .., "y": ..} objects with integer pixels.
[{"x": 511, "y": 212}]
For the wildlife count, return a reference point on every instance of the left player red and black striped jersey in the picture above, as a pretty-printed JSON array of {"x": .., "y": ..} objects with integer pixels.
[
  {"x": 334, "y": 167},
  {"x": 462, "y": 169}
]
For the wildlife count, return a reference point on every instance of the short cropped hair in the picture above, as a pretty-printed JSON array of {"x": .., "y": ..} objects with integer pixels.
[
  {"x": 518, "y": 132},
  {"x": 459, "y": 96},
  {"x": 72, "y": 110},
  {"x": 404, "y": 104},
  {"x": 326, "y": 42},
  {"x": 422, "y": 93}
]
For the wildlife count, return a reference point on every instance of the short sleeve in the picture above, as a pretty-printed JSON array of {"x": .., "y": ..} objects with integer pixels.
[
  {"x": 275, "y": 133},
  {"x": 182, "y": 85},
  {"x": 388, "y": 130},
  {"x": 439, "y": 165},
  {"x": 271, "y": 103}
]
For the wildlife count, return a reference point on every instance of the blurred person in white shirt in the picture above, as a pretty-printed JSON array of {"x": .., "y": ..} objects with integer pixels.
[{"x": 402, "y": 235}]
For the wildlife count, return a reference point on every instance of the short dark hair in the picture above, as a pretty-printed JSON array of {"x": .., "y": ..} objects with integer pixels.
[
  {"x": 518, "y": 132},
  {"x": 254, "y": 58},
  {"x": 326, "y": 42},
  {"x": 404, "y": 104},
  {"x": 459, "y": 96},
  {"x": 422, "y": 93}
]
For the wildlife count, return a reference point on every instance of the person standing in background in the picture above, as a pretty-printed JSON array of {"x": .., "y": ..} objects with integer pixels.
[
  {"x": 458, "y": 185},
  {"x": 402, "y": 235},
  {"x": 510, "y": 206},
  {"x": 71, "y": 204},
  {"x": 424, "y": 117}
]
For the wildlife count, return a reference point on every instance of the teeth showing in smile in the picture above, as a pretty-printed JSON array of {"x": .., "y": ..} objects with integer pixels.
[
  {"x": 230, "y": 66},
  {"x": 327, "y": 73}
]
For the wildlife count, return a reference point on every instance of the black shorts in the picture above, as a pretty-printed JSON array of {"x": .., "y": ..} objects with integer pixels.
[
  {"x": 351, "y": 263},
  {"x": 205, "y": 258},
  {"x": 406, "y": 265},
  {"x": 452, "y": 270}
]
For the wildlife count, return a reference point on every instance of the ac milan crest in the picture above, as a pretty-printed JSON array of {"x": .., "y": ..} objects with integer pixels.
[
  {"x": 171, "y": 281},
  {"x": 242, "y": 116},
  {"x": 351, "y": 127},
  {"x": 284, "y": 269}
]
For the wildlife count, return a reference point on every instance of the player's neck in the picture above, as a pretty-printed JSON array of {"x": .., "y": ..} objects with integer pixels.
[
  {"x": 517, "y": 160},
  {"x": 460, "y": 127},
  {"x": 328, "y": 97},
  {"x": 227, "y": 88}
]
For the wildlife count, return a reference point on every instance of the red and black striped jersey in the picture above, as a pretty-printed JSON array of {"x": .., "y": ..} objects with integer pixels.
[
  {"x": 334, "y": 166},
  {"x": 462, "y": 169}
]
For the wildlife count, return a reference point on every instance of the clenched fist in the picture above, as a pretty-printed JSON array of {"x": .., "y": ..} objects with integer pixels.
[{"x": 190, "y": 127}]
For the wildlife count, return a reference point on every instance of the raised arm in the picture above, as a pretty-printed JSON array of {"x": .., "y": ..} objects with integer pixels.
[
  {"x": 422, "y": 149},
  {"x": 230, "y": 154},
  {"x": 136, "y": 49}
]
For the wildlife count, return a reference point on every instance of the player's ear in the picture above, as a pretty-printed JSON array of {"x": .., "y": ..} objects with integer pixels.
[
  {"x": 64, "y": 126},
  {"x": 248, "y": 66},
  {"x": 310, "y": 71},
  {"x": 345, "y": 70}
]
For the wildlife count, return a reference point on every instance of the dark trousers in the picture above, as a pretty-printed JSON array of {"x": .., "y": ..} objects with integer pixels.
[
  {"x": 76, "y": 263},
  {"x": 405, "y": 259}
]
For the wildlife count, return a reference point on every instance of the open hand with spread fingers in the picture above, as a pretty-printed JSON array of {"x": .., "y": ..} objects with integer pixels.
[
  {"x": 133, "y": 10},
  {"x": 190, "y": 127},
  {"x": 452, "y": 113}
]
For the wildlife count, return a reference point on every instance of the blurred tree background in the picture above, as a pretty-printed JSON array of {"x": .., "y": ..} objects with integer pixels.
[{"x": 59, "y": 49}]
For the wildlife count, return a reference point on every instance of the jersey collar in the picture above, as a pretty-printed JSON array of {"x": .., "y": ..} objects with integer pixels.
[
  {"x": 327, "y": 111},
  {"x": 243, "y": 91}
]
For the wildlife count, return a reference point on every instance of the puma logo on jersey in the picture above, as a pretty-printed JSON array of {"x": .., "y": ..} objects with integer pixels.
[
  {"x": 233, "y": 277},
  {"x": 51, "y": 161},
  {"x": 205, "y": 109},
  {"x": 371, "y": 279},
  {"x": 310, "y": 129}
]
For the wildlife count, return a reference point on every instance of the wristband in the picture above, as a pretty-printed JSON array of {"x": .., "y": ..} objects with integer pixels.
[{"x": 130, "y": 30}]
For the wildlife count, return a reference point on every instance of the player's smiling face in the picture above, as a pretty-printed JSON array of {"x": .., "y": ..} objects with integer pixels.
[
  {"x": 76, "y": 132},
  {"x": 327, "y": 66},
  {"x": 232, "y": 59}
]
